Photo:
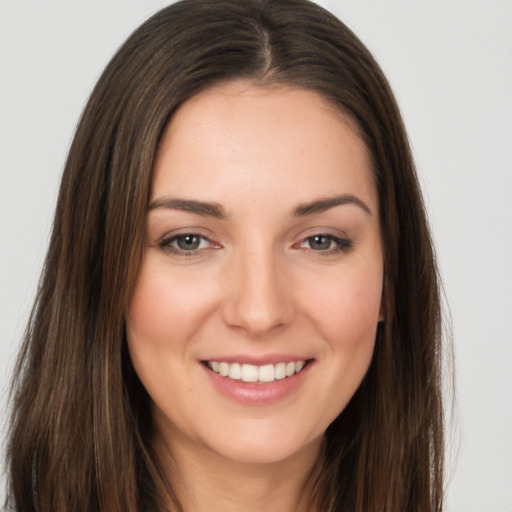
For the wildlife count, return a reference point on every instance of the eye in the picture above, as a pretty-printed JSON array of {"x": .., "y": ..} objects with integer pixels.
[
  {"x": 324, "y": 243},
  {"x": 185, "y": 244}
]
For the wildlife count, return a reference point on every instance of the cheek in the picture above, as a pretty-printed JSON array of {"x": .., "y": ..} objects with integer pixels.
[
  {"x": 166, "y": 311},
  {"x": 166, "y": 307},
  {"x": 347, "y": 318},
  {"x": 346, "y": 307}
]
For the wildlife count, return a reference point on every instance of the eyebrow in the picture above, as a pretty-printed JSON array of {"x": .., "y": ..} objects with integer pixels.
[
  {"x": 215, "y": 210},
  {"x": 322, "y": 205},
  {"x": 188, "y": 205}
]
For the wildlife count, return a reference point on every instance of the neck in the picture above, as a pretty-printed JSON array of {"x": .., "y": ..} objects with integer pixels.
[{"x": 206, "y": 482}]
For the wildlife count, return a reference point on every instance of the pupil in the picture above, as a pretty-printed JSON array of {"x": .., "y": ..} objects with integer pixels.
[
  {"x": 321, "y": 242},
  {"x": 188, "y": 242}
]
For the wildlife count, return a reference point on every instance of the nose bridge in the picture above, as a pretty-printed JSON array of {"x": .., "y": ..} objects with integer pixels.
[{"x": 258, "y": 300}]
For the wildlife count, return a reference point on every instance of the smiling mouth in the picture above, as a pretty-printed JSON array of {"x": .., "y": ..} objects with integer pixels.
[{"x": 256, "y": 374}]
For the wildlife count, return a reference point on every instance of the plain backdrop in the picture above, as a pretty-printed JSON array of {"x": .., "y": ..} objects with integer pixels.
[{"x": 450, "y": 65}]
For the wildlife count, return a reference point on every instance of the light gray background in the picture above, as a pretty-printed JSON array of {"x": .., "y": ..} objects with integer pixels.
[{"x": 450, "y": 64}]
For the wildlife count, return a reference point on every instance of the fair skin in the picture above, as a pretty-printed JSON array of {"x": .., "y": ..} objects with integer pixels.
[{"x": 263, "y": 261}]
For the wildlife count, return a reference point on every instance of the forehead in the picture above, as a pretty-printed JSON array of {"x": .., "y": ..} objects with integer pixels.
[
  {"x": 277, "y": 104},
  {"x": 240, "y": 137}
]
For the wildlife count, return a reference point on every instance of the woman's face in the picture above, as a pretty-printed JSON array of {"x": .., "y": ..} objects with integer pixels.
[{"x": 254, "y": 317}]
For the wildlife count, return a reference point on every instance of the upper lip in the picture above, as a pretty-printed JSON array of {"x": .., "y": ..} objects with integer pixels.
[{"x": 259, "y": 360}]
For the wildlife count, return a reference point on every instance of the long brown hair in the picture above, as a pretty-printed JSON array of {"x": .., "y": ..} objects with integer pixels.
[{"x": 81, "y": 427}]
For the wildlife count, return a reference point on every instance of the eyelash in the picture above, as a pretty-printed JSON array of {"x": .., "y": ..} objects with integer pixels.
[
  {"x": 340, "y": 244},
  {"x": 166, "y": 244}
]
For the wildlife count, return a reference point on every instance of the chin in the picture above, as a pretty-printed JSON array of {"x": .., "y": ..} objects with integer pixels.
[{"x": 265, "y": 445}]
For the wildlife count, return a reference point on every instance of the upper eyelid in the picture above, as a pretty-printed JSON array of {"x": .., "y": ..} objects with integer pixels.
[
  {"x": 172, "y": 238},
  {"x": 181, "y": 235},
  {"x": 340, "y": 235},
  {"x": 174, "y": 233},
  {"x": 167, "y": 245},
  {"x": 333, "y": 238},
  {"x": 185, "y": 233},
  {"x": 333, "y": 233},
  {"x": 345, "y": 240}
]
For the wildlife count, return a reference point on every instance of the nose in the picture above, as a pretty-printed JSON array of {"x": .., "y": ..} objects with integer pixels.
[{"x": 259, "y": 297}]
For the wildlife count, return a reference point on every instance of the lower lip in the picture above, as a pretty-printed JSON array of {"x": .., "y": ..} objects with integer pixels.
[{"x": 257, "y": 394}]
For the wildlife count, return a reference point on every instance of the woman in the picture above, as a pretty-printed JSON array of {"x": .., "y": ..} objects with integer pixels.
[{"x": 239, "y": 308}]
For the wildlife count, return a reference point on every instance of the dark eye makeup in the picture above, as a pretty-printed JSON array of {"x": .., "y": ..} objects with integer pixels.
[
  {"x": 191, "y": 244},
  {"x": 325, "y": 243},
  {"x": 185, "y": 244}
]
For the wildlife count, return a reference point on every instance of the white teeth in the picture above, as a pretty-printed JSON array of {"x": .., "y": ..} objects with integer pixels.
[
  {"x": 224, "y": 369},
  {"x": 280, "y": 370},
  {"x": 253, "y": 373},
  {"x": 235, "y": 371},
  {"x": 267, "y": 373},
  {"x": 249, "y": 373}
]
